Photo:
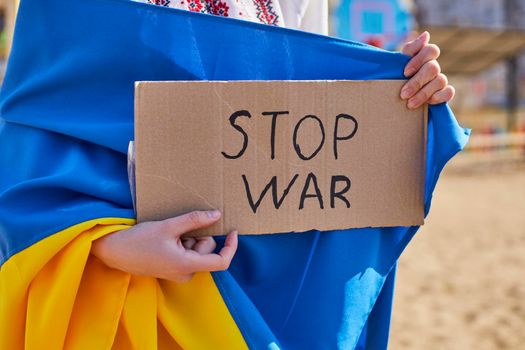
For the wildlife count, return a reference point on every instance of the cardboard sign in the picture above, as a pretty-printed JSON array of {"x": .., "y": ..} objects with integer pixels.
[{"x": 280, "y": 156}]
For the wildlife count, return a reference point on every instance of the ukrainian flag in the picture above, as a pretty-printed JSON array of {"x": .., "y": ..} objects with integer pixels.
[{"x": 66, "y": 120}]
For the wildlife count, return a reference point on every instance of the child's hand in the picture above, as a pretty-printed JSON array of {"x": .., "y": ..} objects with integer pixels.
[
  {"x": 427, "y": 83},
  {"x": 156, "y": 248}
]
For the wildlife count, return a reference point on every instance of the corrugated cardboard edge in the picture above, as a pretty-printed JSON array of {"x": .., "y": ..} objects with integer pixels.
[{"x": 137, "y": 160}]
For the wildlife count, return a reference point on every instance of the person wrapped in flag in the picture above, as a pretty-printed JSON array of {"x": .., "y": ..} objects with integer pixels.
[{"x": 78, "y": 273}]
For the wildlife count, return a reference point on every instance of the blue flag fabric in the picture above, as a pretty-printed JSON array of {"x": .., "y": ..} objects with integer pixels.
[{"x": 67, "y": 118}]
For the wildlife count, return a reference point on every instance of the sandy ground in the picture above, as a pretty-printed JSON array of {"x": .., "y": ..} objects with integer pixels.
[{"x": 461, "y": 281}]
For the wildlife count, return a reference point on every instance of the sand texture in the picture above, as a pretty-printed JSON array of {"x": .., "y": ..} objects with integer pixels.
[{"x": 461, "y": 281}]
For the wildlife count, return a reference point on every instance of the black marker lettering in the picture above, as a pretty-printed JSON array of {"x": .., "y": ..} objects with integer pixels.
[
  {"x": 296, "y": 130},
  {"x": 311, "y": 178},
  {"x": 347, "y": 137},
  {"x": 339, "y": 194},
  {"x": 274, "y": 126},
  {"x": 233, "y": 117},
  {"x": 273, "y": 184}
]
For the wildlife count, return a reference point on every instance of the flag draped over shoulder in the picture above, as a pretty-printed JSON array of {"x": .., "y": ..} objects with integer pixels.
[{"x": 66, "y": 120}]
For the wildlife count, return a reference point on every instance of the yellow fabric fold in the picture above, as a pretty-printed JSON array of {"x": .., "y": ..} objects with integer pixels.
[{"x": 55, "y": 295}]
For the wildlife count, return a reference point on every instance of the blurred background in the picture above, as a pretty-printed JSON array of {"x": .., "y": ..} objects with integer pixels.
[{"x": 461, "y": 282}]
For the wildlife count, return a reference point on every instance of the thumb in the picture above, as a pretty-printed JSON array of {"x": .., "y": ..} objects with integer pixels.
[
  {"x": 191, "y": 221},
  {"x": 413, "y": 47}
]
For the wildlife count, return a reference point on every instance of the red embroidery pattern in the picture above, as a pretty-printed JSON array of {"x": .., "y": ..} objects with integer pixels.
[
  {"x": 196, "y": 6},
  {"x": 214, "y": 7},
  {"x": 160, "y": 2},
  {"x": 217, "y": 7},
  {"x": 265, "y": 12},
  {"x": 264, "y": 9}
]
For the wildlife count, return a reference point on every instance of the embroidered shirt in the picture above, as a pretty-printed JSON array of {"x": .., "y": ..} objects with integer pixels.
[{"x": 307, "y": 15}]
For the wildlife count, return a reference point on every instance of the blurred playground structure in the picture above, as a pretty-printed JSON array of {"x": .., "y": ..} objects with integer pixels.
[{"x": 482, "y": 52}]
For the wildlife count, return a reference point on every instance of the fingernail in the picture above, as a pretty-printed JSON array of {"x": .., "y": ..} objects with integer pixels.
[
  {"x": 409, "y": 71},
  {"x": 422, "y": 35},
  {"x": 406, "y": 92},
  {"x": 413, "y": 103},
  {"x": 214, "y": 214}
]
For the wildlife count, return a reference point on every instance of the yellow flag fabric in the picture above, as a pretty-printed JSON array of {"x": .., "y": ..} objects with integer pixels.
[{"x": 56, "y": 295}]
